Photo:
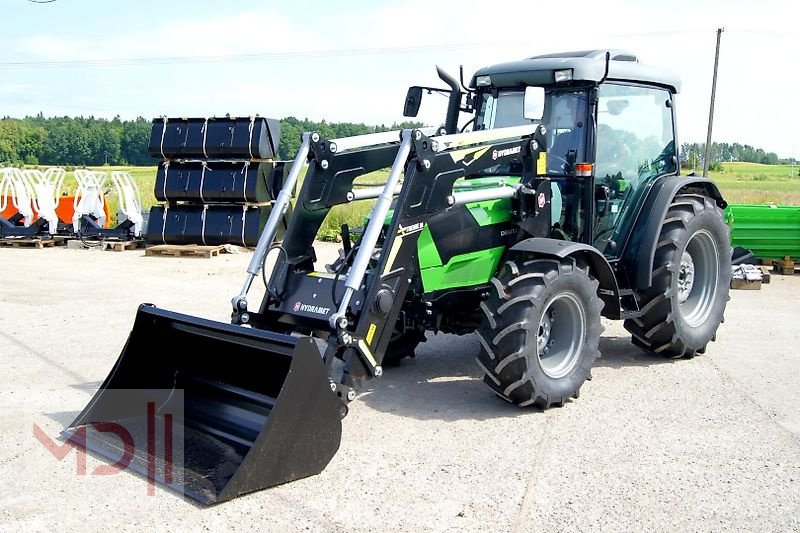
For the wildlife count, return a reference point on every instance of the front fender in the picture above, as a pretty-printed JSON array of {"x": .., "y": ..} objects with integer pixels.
[{"x": 598, "y": 265}]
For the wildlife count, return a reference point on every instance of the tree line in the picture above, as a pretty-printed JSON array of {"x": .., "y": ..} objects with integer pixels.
[
  {"x": 74, "y": 141},
  {"x": 292, "y": 128},
  {"x": 91, "y": 141},
  {"x": 693, "y": 154}
]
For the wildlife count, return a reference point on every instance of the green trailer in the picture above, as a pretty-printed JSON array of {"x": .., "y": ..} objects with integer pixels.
[{"x": 769, "y": 231}]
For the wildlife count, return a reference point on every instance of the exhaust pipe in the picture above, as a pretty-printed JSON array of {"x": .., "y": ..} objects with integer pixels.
[{"x": 454, "y": 103}]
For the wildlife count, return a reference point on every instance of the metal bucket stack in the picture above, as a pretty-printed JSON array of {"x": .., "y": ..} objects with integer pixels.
[{"x": 217, "y": 179}]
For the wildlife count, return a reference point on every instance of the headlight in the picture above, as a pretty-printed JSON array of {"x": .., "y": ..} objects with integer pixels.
[
  {"x": 483, "y": 81},
  {"x": 563, "y": 75}
]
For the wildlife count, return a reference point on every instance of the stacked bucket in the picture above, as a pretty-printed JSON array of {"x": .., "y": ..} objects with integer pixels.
[{"x": 217, "y": 179}]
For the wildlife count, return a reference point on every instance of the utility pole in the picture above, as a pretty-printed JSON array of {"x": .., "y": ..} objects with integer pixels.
[{"x": 711, "y": 111}]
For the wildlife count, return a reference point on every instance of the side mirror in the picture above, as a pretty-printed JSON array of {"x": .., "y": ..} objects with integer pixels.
[
  {"x": 533, "y": 108},
  {"x": 413, "y": 100}
]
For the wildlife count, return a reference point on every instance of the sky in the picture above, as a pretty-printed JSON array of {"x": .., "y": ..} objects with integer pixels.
[{"x": 353, "y": 60}]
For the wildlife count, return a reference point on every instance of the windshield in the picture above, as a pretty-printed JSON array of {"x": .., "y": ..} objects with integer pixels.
[{"x": 564, "y": 117}]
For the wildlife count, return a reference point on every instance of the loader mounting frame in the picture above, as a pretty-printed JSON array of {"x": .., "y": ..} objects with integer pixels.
[{"x": 356, "y": 307}]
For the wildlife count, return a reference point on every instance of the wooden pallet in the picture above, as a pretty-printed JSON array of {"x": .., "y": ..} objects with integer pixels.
[
  {"x": 121, "y": 246},
  {"x": 743, "y": 284},
  {"x": 185, "y": 250},
  {"x": 28, "y": 243},
  {"x": 765, "y": 275},
  {"x": 783, "y": 266}
]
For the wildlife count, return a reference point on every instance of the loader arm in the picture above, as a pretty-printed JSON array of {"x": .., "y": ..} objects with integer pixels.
[{"x": 356, "y": 308}]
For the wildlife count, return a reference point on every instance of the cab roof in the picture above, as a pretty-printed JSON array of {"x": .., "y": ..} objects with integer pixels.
[{"x": 586, "y": 65}]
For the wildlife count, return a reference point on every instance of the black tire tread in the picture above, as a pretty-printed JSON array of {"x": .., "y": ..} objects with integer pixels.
[
  {"x": 519, "y": 287},
  {"x": 656, "y": 331}
]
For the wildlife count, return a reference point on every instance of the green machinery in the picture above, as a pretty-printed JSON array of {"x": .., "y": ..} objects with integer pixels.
[
  {"x": 769, "y": 231},
  {"x": 550, "y": 197}
]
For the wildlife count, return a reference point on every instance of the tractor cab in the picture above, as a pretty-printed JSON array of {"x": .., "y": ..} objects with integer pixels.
[{"x": 610, "y": 131}]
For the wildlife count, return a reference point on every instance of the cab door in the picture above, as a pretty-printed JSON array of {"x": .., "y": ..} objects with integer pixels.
[{"x": 634, "y": 144}]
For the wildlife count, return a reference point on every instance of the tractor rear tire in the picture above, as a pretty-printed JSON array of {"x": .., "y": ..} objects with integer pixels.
[
  {"x": 685, "y": 303},
  {"x": 540, "y": 332}
]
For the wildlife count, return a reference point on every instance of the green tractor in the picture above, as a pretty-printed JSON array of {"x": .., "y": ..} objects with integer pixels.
[{"x": 556, "y": 200}]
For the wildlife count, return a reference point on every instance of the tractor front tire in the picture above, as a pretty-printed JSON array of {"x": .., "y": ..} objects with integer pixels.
[
  {"x": 540, "y": 332},
  {"x": 685, "y": 303}
]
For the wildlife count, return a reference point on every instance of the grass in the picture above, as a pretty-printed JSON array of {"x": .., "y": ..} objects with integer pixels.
[
  {"x": 351, "y": 214},
  {"x": 740, "y": 183},
  {"x": 752, "y": 183}
]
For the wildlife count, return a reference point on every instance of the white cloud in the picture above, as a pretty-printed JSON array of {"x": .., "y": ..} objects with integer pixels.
[
  {"x": 756, "y": 93},
  {"x": 240, "y": 33}
]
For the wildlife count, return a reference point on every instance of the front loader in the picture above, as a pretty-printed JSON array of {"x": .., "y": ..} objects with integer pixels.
[{"x": 561, "y": 205}]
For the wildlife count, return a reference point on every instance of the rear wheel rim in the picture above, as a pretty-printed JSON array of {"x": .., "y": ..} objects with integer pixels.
[
  {"x": 560, "y": 336},
  {"x": 698, "y": 277}
]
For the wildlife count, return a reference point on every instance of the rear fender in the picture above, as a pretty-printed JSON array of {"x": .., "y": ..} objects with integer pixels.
[{"x": 640, "y": 249}]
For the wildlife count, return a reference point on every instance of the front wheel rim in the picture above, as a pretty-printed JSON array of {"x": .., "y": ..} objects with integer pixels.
[
  {"x": 560, "y": 336},
  {"x": 698, "y": 278}
]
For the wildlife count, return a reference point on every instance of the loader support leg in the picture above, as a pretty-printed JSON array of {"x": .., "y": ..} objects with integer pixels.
[{"x": 370, "y": 238}]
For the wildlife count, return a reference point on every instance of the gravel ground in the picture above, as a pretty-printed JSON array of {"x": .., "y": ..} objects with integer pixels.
[{"x": 708, "y": 444}]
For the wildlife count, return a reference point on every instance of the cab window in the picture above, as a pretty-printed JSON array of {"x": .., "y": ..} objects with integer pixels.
[
  {"x": 635, "y": 143},
  {"x": 635, "y": 139}
]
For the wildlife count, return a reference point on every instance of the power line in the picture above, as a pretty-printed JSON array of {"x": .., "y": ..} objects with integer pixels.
[
  {"x": 266, "y": 56},
  {"x": 282, "y": 56}
]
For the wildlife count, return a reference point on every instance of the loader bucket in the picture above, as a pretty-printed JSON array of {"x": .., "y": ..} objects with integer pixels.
[{"x": 258, "y": 409}]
